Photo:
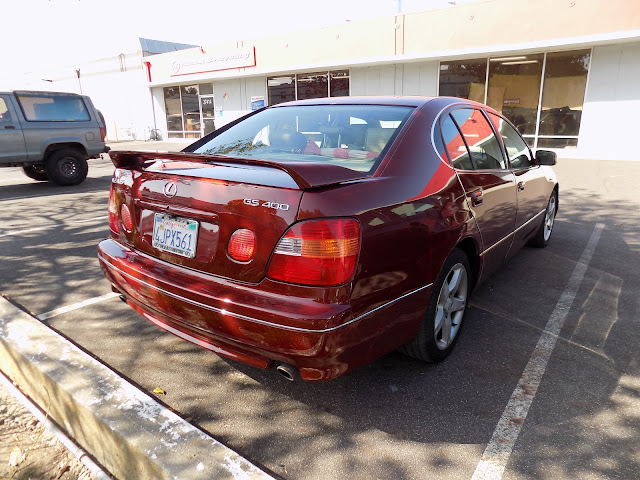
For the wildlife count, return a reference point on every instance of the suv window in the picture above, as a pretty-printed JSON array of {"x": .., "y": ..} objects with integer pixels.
[
  {"x": 517, "y": 149},
  {"x": 483, "y": 145},
  {"x": 5, "y": 116},
  {"x": 38, "y": 107}
]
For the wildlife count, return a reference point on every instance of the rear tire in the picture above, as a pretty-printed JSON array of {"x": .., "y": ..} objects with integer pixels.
[
  {"x": 67, "y": 167},
  {"x": 543, "y": 235},
  {"x": 36, "y": 172},
  {"x": 440, "y": 328}
]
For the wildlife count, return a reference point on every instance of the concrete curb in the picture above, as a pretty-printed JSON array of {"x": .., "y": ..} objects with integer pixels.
[{"x": 125, "y": 430}]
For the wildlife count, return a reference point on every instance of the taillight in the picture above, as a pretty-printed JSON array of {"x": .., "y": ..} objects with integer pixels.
[
  {"x": 242, "y": 245},
  {"x": 113, "y": 212},
  {"x": 103, "y": 134},
  {"x": 317, "y": 252},
  {"x": 127, "y": 220}
]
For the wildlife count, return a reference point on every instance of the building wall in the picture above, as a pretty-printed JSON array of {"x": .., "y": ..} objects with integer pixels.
[
  {"x": 609, "y": 125},
  {"x": 232, "y": 97},
  {"x": 476, "y": 29},
  {"x": 397, "y": 79}
]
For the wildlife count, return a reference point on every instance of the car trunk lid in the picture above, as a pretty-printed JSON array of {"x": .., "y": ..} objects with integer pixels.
[{"x": 211, "y": 197}]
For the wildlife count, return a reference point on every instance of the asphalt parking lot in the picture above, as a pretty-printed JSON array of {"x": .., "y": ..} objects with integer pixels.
[{"x": 578, "y": 398}]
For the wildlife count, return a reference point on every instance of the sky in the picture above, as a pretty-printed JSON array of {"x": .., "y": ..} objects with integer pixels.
[{"x": 40, "y": 34}]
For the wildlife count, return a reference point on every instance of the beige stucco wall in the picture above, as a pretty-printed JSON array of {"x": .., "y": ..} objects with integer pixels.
[{"x": 477, "y": 29}]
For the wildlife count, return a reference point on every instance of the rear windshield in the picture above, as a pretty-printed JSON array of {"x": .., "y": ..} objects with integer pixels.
[
  {"x": 350, "y": 136},
  {"x": 42, "y": 107}
]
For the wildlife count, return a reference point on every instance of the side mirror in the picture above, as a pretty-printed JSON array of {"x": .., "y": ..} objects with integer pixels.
[{"x": 546, "y": 157}]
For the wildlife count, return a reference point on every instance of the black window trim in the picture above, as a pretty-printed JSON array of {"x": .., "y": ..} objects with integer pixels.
[
  {"x": 505, "y": 157},
  {"x": 503, "y": 146}
]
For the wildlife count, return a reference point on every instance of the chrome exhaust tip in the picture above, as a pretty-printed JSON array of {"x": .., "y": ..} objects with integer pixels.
[{"x": 287, "y": 371}]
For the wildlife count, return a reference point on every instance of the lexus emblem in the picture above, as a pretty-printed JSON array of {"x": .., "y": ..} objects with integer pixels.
[{"x": 170, "y": 190}]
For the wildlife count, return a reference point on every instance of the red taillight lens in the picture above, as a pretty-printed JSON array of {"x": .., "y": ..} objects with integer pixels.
[
  {"x": 317, "y": 252},
  {"x": 103, "y": 134},
  {"x": 127, "y": 220},
  {"x": 242, "y": 245},
  {"x": 113, "y": 212}
]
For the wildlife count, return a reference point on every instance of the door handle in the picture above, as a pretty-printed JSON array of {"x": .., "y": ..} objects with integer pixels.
[
  {"x": 520, "y": 186},
  {"x": 476, "y": 198},
  {"x": 9, "y": 127}
]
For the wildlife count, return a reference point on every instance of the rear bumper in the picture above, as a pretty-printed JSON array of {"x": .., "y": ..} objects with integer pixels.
[
  {"x": 259, "y": 324},
  {"x": 249, "y": 323}
]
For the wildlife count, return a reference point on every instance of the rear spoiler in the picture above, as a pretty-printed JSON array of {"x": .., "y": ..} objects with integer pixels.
[{"x": 305, "y": 174}]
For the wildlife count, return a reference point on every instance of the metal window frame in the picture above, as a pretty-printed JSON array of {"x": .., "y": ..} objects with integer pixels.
[{"x": 536, "y": 135}]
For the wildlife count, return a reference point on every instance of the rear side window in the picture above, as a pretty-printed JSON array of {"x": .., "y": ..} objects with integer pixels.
[
  {"x": 483, "y": 145},
  {"x": 53, "y": 108},
  {"x": 350, "y": 136},
  {"x": 456, "y": 147}
]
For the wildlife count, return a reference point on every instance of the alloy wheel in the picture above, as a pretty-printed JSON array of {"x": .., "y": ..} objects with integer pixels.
[{"x": 451, "y": 306}]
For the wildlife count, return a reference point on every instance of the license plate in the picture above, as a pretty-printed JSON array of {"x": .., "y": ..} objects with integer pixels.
[{"x": 175, "y": 235}]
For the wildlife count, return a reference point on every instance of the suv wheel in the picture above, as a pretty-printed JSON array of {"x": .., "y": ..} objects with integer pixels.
[
  {"x": 36, "y": 172},
  {"x": 67, "y": 167}
]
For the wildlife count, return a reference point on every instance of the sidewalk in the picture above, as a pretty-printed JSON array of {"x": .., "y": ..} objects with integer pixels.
[{"x": 128, "y": 432}]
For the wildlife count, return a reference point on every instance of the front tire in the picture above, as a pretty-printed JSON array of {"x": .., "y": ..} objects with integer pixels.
[
  {"x": 67, "y": 167},
  {"x": 36, "y": 172},
  {"x": 543, "y": 234},
  {"x": 440, "y": 328}
]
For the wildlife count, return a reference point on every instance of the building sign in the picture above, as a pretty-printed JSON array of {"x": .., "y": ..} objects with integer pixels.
[
  {"x": 511, "y": 101},
  {"x": 257, "y": 103},
  {"x": 203, "y": 62}
]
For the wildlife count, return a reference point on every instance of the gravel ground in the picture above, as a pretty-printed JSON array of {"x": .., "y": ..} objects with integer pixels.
[{"x": 28, "y": 451}]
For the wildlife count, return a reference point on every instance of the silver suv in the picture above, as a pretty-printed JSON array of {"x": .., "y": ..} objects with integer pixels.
[{"x": 50, "y": 135}]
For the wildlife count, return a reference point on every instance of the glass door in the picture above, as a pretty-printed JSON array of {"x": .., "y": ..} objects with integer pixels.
[{"x": 207, "y": 112}]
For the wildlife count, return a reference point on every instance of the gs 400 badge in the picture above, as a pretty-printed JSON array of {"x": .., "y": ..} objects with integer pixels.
[{"x": 258, "y": 203}]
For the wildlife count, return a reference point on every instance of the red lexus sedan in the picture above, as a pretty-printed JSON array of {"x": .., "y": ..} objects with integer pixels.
[{"x": 316, "y": 236}]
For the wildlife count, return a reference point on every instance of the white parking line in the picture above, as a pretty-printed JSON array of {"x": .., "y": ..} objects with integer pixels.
[
  {"x": 496, "y": 454},
  {"x": 46, "y": 227},
  {"x": 75, "y": 306}
]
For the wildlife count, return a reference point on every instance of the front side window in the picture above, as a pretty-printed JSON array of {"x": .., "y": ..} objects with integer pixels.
[
  {"x": 350, "y": 136},
  {"x": 483, "y": 145},
  {"x": 517, "y": 149},
  {"x": 38, "y": 107}
]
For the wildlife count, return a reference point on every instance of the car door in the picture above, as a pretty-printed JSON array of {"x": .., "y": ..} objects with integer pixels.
[
  {"x": 12, "y": 147},
  {"x": 532, "y": 186},
  {"x": 489, "y": 184}
]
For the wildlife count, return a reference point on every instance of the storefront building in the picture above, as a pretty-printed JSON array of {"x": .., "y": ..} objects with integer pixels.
[{"x": 565, "y": 73}]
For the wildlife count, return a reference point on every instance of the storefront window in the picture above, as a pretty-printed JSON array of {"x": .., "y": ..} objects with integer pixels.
[
  {"x": 565, "y": 80},
  {"x": 281, "y": 89},
  {"x": 339, "y": 83},
  {"x": 464, "y": 79},
  {"x": 173, "y": 110},
  {"x": 514, "y": 89},
  {"x": 308, "y": 85},
  {"x": 313, "y": 85},
  {"x": 190, "y": 110}
]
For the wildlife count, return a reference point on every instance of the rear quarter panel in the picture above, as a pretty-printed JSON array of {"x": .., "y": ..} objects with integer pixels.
[{"x": 412, "y": 214}]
